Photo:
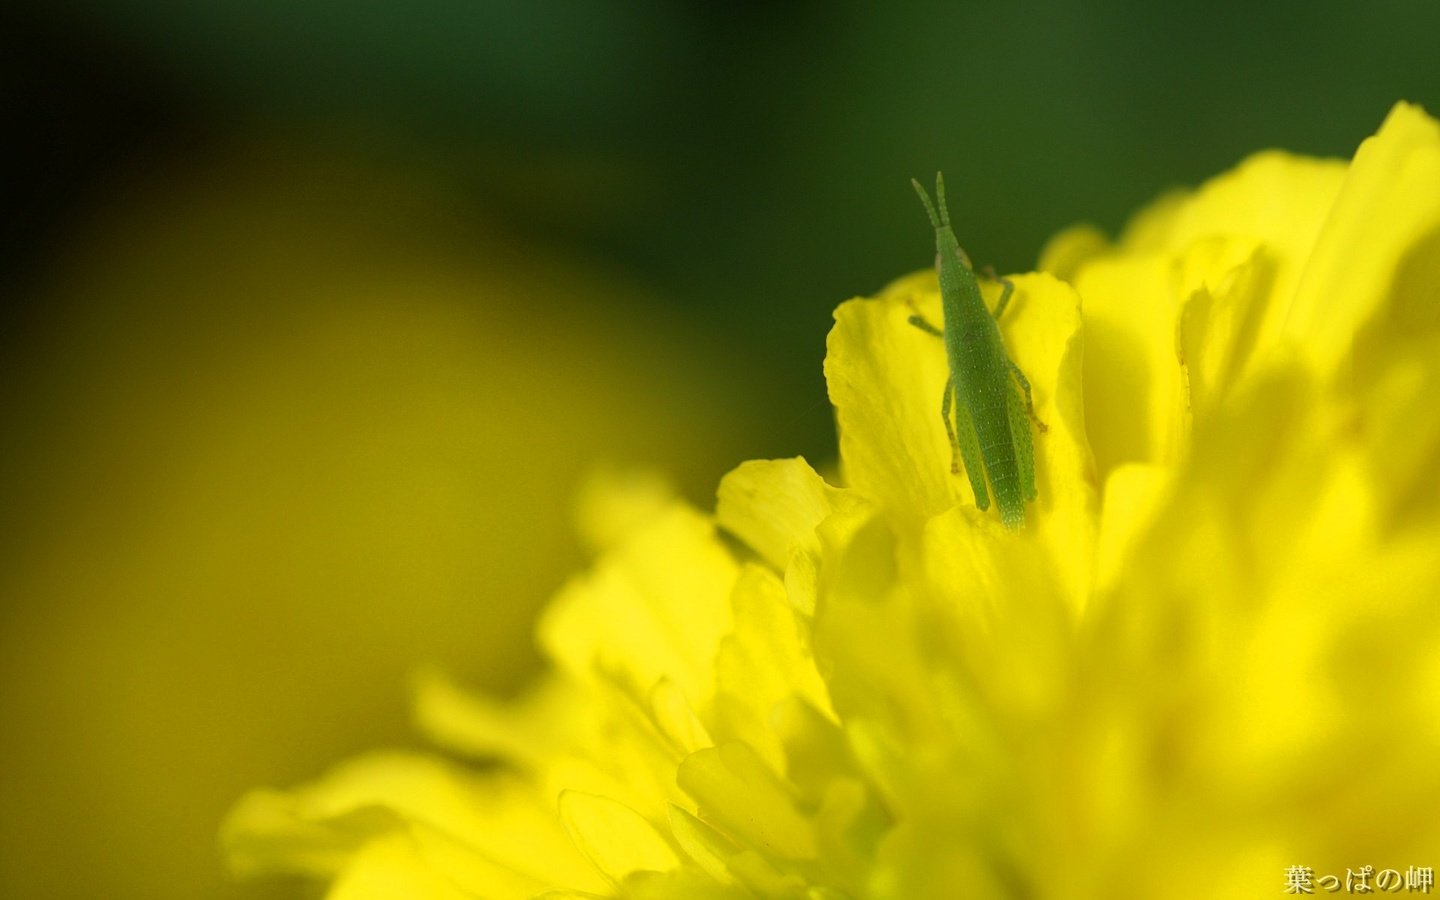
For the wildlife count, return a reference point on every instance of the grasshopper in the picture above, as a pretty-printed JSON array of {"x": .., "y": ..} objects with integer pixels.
[{"x": 990, "y": 426}]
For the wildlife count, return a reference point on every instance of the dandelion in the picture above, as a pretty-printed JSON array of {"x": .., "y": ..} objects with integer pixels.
[{"x": 1212, "y": 655}]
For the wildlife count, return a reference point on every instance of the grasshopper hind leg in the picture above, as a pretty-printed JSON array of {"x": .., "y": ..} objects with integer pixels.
[
  {"x": 1029, "y": 402},
  {"x": 959, "y": 428},
  {"x": 1023, "y": 447},
  {"x": 964, "y": 444}
]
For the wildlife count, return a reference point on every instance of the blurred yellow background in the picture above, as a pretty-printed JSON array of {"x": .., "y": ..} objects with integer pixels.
[{"x": 284, "y": 431}]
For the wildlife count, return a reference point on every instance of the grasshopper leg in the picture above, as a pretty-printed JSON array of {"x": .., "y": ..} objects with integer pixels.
[
  {"x": 1025, "y": 386},
  {"x": 945, "y": 404},
  {"x": 1016, "y": 409},
  {"x": 920, "y": 321},
  {"x": 1009, "y": 288},
  {"x": 965, "y": 442}
]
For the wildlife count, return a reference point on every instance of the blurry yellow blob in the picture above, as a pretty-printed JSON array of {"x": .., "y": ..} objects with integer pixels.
[{"x": 280, "y": 433}]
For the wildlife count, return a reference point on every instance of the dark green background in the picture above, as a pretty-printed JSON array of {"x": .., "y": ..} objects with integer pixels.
[{"x": 748, "y": 161}]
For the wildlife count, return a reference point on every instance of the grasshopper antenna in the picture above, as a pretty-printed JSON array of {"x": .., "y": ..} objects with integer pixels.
[
  {"x": 925, "y": 199},
  {"x": 940, "y": 199}
]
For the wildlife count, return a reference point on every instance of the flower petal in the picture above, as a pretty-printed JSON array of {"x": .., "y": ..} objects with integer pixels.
[
  {"x": 616, "y": 839},
  {"x": 656, "y": 606},
  {"x": 522, "y": 731},
  {"x": 1043, "y": 332},
  {"x": 1389, "y": 208},
  {"x": 1192, "y": 299},
  {"x": 390, "y": 868},
  {"x": 1131, "y": 378},
  {"x": 765, "y": 661},
  {"x": 488, "y": 831},
  {"x": 775, "y": 507},
  {"x": 885, "y": 380},
  {"x": 737, "y": 791}
]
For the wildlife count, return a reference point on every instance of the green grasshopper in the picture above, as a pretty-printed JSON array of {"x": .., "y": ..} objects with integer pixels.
[{"x": 990, "y": 429}]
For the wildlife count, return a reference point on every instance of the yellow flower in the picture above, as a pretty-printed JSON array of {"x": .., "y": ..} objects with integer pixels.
[{"x": 1212, "y": 654}]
